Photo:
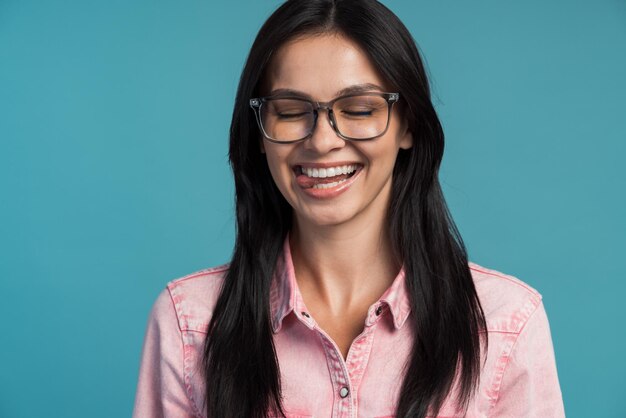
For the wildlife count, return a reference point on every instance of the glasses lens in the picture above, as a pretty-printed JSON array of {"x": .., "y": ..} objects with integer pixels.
[
  {"x": 361, "y": 117},
  {"x": 287, "y": 119}
]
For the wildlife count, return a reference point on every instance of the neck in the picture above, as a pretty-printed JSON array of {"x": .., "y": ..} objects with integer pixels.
[{"x": 345, "y": 266}]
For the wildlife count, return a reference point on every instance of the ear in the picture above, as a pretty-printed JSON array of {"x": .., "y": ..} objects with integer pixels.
[
  {"x": 406, "y": 137},
  {"x": 262, "y": 146}
]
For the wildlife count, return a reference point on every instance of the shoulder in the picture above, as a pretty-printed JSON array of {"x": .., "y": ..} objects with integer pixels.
[
  {"x": 507, "y": 301},
  {"x": 193, "y": 297}
]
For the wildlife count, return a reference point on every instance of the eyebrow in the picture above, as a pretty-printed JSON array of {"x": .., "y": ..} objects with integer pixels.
[{"x": 354, "y": 89}]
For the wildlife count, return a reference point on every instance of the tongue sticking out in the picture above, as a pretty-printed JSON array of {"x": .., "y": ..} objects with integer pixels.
[{"x": 308, "y": 182}]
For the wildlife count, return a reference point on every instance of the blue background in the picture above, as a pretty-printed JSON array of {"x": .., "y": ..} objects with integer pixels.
[{"x": 114, "y": 177}]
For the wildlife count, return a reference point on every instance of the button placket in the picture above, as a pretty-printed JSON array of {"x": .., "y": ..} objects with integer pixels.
[
  {"x": 340, "y": 377},
  {"x": 358, "y": 358}
]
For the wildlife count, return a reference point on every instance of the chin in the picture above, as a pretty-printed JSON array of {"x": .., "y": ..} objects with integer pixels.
[{"x": 327, "y": 218}]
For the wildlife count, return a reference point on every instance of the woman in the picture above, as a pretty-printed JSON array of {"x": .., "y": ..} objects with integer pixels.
[{"x": 349, "y": 292}]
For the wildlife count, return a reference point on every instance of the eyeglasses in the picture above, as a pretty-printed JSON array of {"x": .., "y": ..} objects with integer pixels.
[{"x": 354, "y": 117}]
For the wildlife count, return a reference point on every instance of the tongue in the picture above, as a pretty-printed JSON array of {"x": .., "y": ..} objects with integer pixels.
[{"x": 308, "y": 182}]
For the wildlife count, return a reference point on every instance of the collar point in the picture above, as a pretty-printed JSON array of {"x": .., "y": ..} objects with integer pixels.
[{"x": 400, "y": 319}]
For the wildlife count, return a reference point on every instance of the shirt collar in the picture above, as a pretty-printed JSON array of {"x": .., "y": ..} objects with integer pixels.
[{"x": 285, "y": 296}]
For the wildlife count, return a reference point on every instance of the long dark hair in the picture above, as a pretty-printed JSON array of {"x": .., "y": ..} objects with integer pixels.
[{"x": 241, "y": 369}]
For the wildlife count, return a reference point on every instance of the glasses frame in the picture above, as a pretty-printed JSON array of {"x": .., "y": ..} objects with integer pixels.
[{"x": 257, "y": 103}]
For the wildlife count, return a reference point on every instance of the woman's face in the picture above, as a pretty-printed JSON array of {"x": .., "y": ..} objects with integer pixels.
[{"x": 321, "y": 67}]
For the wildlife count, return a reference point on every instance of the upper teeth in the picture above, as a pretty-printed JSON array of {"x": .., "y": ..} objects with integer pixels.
[{"x": 328, "y": 171}]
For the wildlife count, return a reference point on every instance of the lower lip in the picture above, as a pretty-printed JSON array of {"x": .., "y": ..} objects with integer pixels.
[{"x": 332, "y": 191}]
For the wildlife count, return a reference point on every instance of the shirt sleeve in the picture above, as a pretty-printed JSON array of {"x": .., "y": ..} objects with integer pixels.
[
  {"x": 530, "y": 384},
  {"x": 161, "y": 387}
]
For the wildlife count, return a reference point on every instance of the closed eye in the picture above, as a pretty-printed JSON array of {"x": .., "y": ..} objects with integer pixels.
[
  {"x": 292, "y": 115},
  {"x": 359, "y": 113}
]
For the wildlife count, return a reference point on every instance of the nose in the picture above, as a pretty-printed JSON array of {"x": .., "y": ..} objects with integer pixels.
[{"x": 324, "y": 138}]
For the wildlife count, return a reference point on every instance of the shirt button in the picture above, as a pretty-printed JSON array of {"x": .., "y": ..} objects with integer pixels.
[
  {"x": 343, "y": 392},
  {"x": 379, "y": 310},
  {"x": 306, "y": 314}
]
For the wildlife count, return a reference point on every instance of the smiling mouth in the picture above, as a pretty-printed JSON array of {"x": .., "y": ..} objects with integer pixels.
[{"x": 324, "y": 177}]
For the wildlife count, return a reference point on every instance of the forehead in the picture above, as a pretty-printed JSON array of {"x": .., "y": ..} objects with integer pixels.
[{"x": 321, "y": 66}]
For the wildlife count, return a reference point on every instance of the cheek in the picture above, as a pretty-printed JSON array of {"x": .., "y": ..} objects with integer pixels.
[
  {"x": 276, "y": 161},
  {"x": 382, "y": 156}
]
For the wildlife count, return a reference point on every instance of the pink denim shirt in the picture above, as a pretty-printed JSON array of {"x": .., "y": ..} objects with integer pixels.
[{"x": 519, "y": 377}]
